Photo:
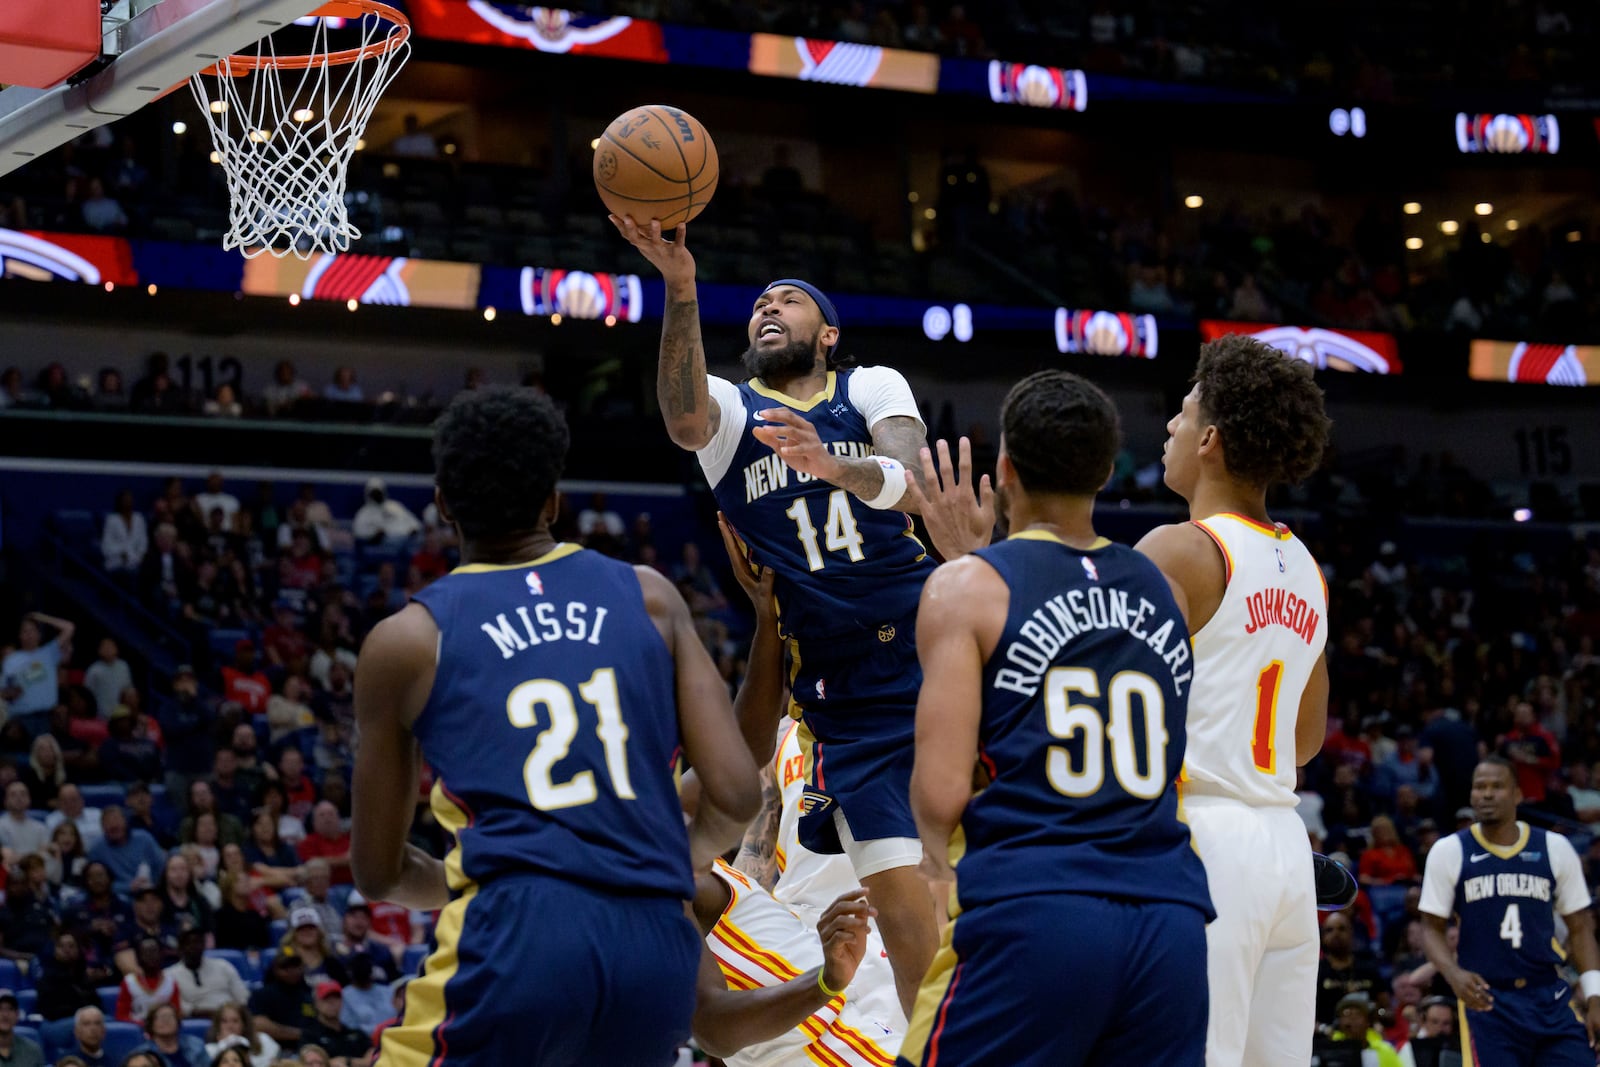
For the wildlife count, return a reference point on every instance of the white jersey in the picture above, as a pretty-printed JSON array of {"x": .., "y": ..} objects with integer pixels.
[
  {"x": 758, "y": 942},
  {"x": 807, "y": 881},
  {"x": 1253, "y": 660}
]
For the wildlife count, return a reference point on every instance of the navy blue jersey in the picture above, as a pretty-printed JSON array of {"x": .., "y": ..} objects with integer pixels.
[
  {"x": 553, "y": 726},
  {"x": 842, "y": 567},
  {"x": 1084, "y": 701},
  {"x": 1506, "y": 901}
]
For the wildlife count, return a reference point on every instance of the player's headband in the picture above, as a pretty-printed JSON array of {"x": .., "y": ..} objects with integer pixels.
[{"x": 830, "y": 314}]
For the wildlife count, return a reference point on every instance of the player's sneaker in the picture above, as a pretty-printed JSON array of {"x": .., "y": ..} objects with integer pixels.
[{"x": 1336, "y": 887}]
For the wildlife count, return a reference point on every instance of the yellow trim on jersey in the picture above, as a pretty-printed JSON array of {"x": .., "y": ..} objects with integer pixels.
[
  {"x": 410, "y": 1043},
  {"x": 825, "y": 394},
  {"x": 781, "y": 857},
  {"x": 1467, "y": 1059},
  {"x": 454, "y": 820},
  {"x": 795, "y": 710},
  {"x": 1183, "y": 816},
  {"x": 1505, "y": 852},
  {"x": 1046, "y": 535},
  {"x": 930, "y": 998},
  {"x": 561, "y": 551},
  {"x": 1561, "y": 953},
  {"x": 1277, "y": 531},
  {"x": 808, "y": 749},
  {"x": 1227, "y": 557}
]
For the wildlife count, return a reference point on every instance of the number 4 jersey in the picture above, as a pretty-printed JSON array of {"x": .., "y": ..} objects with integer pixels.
[
  {"x": 842, "y": 568},
  {"x": 1082, "y": 733},
  {"x": 552, "y": 727}
]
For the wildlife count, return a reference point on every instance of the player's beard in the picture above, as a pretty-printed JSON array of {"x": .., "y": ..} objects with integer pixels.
[{"x": 793, "y": 360}]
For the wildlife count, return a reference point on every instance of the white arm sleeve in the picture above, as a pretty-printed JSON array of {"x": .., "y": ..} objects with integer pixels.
[
  {"x": 882, "y": 393},
  {"x": 1440, "y": 877},
  {"x": 717, "y": 456},
  {"x": 1572, "y": 893}
]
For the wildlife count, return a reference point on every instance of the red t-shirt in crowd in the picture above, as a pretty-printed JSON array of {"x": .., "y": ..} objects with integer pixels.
[
  {"x": 391, "y": 920},
  {"x": 302, "y": 797},
  {"x": 315, "y": 846},
  {"x": 1386, "y": 864},
  {"x": 288, "y": 642},
  {"x": 249, "y": 691}
]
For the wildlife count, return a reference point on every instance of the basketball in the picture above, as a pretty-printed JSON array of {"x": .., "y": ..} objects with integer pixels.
[{"x": 656, "y": 162}]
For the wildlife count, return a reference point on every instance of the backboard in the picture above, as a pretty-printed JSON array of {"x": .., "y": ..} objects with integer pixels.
[{"x": 148, "y": 48}]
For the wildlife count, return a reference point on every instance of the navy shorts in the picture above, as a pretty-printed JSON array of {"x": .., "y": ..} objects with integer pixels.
[
  {"x": 857, "y": 702},
  {"x": 1065, "y": 980},
  {"x": 1535, "y": 1026},
  {"x": 537, "y": 971}
]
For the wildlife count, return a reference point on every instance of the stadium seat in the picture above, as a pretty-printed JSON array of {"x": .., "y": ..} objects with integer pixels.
[
  {"x": 31, "y": 1034},
  {"x": 411, "y": 963},
  {"x": 199, "y": 1028},
  {"x": 27, "y": 1001},
  {"x": 99, "y": 796},
  {"x": 12, "y": 977},
  {"x": 108, "y": 999},
  {"x": 241, "y": 962},
  {"x": 56, "y": 1037},
  {"x": 279, "y": 928},
  {"x": 121, "y": 1039},
  {"x": 222, "y": 642}
]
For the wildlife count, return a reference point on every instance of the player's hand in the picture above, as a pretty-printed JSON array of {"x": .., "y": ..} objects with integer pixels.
[
  {"x": 670, "y": 255},
  {"x": 1591, "y": 1021},
  {"x": 1471, "y": 989},
  {"x": 957, "y": 521},
  {"x": 843, "y": 930},
  {"x": 796, "y": 442},
  {"x": 754, "y": 579}
]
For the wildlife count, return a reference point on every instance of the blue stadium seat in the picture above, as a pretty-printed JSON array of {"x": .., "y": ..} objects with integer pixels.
[
  {"x": 27, "y": 1001},
  {"x": 197, "y": 1027},
  {"x": 241, "y": 962},
  {"x": 222, "y": 642},
  {"x": 38, "y": 814},
  {"x": 11, "y": 977},
  {"x": 121, "y": 1039},
  {"x": 56, "y": 1037},
  {"x": 98, "y": 796},
  {"x": 31, "y": 1034},
  {"x": 108, "y": 1000},
  {"x": 279, "y": 927},
  {"x": 411, "y": 963}
]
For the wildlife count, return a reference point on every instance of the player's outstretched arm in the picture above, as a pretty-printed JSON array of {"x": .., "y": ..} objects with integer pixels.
[
  {"x": 1192, "y": 562},
  {"x": 957, "y": 521},
  {"x": 726, "y": 1021},
  {"x": 730, "y": 788},
  {"x": 950, "y": 703},
  {"x": 681, "y": 387},
  {"x": 393, "y": 678}
]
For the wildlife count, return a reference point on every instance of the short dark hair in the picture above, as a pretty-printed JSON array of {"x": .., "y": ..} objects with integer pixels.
[
  {"x": 1061, "y": 433},
  {"x": 498, "y": 453},
  {"x": 1501, "y": 761},
  {"x": 1268, "y": 408}
]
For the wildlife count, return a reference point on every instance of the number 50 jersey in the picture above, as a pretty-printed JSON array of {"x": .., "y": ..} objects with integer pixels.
[{"x": 552, "y": 726}]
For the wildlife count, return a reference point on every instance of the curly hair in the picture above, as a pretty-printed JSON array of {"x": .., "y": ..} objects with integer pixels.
[
  {"x": 498, "y": 453},
  {"x": 1268, "y": 408},
  {"x": 1061, "y": 433}
]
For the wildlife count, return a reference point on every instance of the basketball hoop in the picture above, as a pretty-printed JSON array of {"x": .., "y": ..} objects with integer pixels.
[{"x": 285, "y": 127}]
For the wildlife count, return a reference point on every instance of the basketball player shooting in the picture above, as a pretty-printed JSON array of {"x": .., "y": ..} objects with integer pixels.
[{"x": 808, "y": 461}]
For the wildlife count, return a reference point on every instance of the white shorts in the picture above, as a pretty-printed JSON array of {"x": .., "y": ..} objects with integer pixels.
[
  {"x": 874, "y": 857},
  {"x": 1263, "y": 948}
]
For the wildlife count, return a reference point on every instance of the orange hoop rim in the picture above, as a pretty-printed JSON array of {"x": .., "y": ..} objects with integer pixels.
[{"x": 238, "y": 66}]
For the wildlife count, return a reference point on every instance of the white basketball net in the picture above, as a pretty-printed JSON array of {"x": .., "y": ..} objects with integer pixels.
[{"x": 285, "y": 131}]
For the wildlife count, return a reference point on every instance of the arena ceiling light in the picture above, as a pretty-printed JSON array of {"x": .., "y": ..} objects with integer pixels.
[
  {"x": 1412, "y": 208},
  {"x": 1483, "y": 208},
  {"x": 1449, "y": 226},
  {"x": 1413, "y": 243},
  {"x": 1194, "y": 201}
]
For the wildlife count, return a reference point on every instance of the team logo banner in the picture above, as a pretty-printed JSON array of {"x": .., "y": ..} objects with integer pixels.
[
  {"x": 66, "y": 257},
  {"x": 841, "y": 63},
  {"x": 544, "y": 29},
  {"x": 1106, "y": 333},
  {"x": 579, "y": 294},
  {"x": 393, "y": 280},
  {"x": 1530, "y": 134},
  {"x": 1035, "y": 86},
  {"x": 1324, "y": 349},
  {"x": 1538, "y": 364}
]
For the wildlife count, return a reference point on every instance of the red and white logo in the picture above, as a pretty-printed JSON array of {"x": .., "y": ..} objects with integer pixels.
[
  {"x": 1089, "y": 568},
  {"x": 837, "y": 61},
  {"x": 535, "y": 586}
]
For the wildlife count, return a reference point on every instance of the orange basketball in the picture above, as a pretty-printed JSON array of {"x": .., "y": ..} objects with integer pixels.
[{"x": 656, "y": 162}]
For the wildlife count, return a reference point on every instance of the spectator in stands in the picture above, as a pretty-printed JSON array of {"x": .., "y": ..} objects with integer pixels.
[
  {"x": 386, "y": 597},
  {"x": 599, "y": 520},
  {"x": 149, "y": 922},
  {"x": 102, "y": 213},
  {"x": 300, "y": 792},
  {"x": 243, "y": 682},
  {"x": 250, "y": 772},
  {"x": 415, "y": 142},
  {"x": 205, "y": 841},
  {"x": 367, "y": 1003},
  {"x": 229, "y": 787},
  {"x": 706, "y": 593},
  {"x": 124, "y": 538},
  {"x": 430, "y": 559},
  {"x": 45, "y": 773},
  {"x": 327, "y": 1031},
  {"x": 318, "y": 886},
  {"x": 283, "y": 1005},
  {"x": 286, "y": 390},
  {"x": 328, "y": 841},
  {"x": 359, "y": 940},
  {"x": 233, "y": 1027},
  {"x": 98, "y": 921},
  {"x": 223, "y": 403},
  {"x": 107, "y": 676},
  {"x": 181, "y": 904},
  {"x": 241, "y": 923},
  {"x": 266, "y": 853},
  {"x": 289, "y": 710},
  {"x": 144, "y": 815},
  {"x": 274, "y": 802},
  {"x": 216, "y": 497},
  {"x": 203, "y": 801},
  {"x": 1355, "y": 1017},
  {"x": 65, "y": 856},
  {"x": 33, "y": 912},
  {"x": 1435, "y": 1033},
  {"x": 1341, "y": 972},
  {"x": 65, "y": 985},
  {"x": 382, "y": 518},
  {"x": 167, "y": 1041},
  {"x": 71, "y": 808},
  {"x": 206, "y": 984},
  {"x": 15, "y": 1050},
  {"x": 186, "y": 722},
  {"x": 19, "y": 833},
  {"x": 283, "y": 642},
  {"x": 126, "y": 757},
  {"x": 167, "y": 574},
  {"x": 308, "y": 939},
  {"x": 130, "y": 855},
  {"x": 88, "y": 1037},
  {"x": 28, "y": 674},
  {"x": 147, "y": 985},
  {"x": 82, "y": 762},
  {"x": 344, "y": 387},
  {"x": 1387, "y": 860},
  {"x": 1533, "y": 750}
]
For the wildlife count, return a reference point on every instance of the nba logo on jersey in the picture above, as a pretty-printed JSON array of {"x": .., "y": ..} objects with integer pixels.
[
  {"x": 822, "y": 693},
  {"x": 1089, "y": 568},
  {"x": 535, "y": 586},
  {"x": 1282, "y": 566}
]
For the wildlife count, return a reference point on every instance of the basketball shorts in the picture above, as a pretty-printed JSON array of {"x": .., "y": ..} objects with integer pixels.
[
  {"x": 507, "y": 985},
  {"x": 1535, "y": 1026},
  {"x": 857, "y": 701},
  {"x": 1264, "y": 943},
  {"x": 1064, "y": 980}
]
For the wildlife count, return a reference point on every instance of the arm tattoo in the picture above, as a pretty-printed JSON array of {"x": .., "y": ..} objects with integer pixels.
[
  {"x": 681, "y": 387},
  {"x": 758, "y": 852}
]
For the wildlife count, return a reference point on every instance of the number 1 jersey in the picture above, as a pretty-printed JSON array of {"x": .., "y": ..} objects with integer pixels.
[{"x": 552, "y": 727}]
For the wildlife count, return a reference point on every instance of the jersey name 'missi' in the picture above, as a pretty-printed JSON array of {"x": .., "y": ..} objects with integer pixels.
[
  {"x": 771, "y": 472},
  {"x": 1064, "y": 616},
  {"x": 1279, "y": 607},
  {"x": 1506, "y": 884},
  {"x": 543, "y": 624}
]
